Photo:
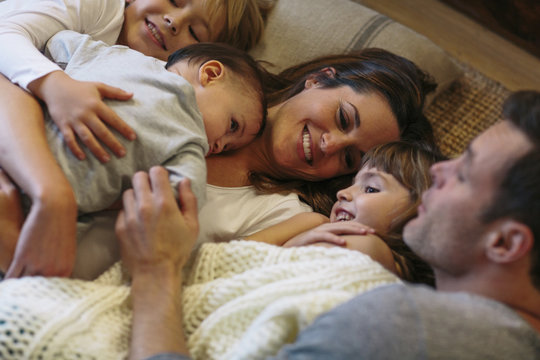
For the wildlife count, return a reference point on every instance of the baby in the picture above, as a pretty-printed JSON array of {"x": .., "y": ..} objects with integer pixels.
[
  {"x": 369, "y": 216},
  {"x": 207, "y": 98}
]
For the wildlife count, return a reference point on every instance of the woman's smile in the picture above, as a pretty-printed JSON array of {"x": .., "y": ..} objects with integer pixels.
[{"x": 305, "y": 146}]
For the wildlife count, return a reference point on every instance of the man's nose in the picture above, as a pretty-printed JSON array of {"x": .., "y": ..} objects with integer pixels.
[{"x": 440, "y": 171}]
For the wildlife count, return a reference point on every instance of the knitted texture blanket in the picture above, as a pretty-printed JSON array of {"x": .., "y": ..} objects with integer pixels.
[{"x": 242, "y": 300}]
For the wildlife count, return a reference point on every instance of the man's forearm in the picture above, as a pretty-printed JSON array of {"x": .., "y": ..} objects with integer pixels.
[{"x": 157, "y": 313}]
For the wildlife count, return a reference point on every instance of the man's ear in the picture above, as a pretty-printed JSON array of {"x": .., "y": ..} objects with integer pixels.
[
  {"x": 312, "y": 80},
  {"x": 509, "y": 241},
  {"x": 210, "y": 71}
]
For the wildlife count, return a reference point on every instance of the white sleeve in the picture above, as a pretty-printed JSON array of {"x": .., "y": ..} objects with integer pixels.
[{"x": 26, "y": 26}]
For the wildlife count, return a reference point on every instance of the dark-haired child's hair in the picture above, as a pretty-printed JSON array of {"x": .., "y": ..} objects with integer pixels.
[{"x": 238, "y": 61}]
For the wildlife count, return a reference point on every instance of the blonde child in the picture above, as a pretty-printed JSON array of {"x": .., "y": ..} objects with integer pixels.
[
  {"x": 207, "y": 98},
  {"x": 153, "y": 27},
  {"x": 369, "y": 216}
]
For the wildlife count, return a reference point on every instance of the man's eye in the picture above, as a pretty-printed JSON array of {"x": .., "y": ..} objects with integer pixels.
[
  {"x": 370, "y": 189},
  {"x": 234, "y": 126},
  {"x": 192, "y": 32}
]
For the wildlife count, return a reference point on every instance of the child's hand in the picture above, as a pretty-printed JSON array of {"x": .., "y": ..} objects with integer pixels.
[
  {"x": 152, "y": 229},
  {"x": 78, "y": 109},
  {"x": 330, "y": 233},
  {"x": 47, "y": 243}
]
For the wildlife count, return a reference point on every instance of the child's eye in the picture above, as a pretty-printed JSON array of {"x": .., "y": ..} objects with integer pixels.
[
  {"x": 234, "y": 126},
  {"x": 192, "y": 32},
  {"x": 370, "y": 189}
]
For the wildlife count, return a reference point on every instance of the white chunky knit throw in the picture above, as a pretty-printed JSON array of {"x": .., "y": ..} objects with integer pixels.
[{"x": 242, "y": 300}]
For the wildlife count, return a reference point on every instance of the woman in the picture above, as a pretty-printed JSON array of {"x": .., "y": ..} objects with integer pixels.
[
  {"x": 310, "y": 135},
  {"x": 324, "y": 115}
]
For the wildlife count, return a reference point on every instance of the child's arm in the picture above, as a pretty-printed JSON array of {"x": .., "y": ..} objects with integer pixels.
[
  {"x": 353, "y": 236},
  {"x": 47, "y": 242},
  {"x": 331, "y": 233},
  {"x": 285, "y": 230},
  {"x": 25, "y": 27}
]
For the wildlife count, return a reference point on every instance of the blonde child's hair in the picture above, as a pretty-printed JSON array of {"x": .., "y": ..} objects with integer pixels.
[
  {"x": 409, "y": 164},
  {"x": 244, "y": 20}
]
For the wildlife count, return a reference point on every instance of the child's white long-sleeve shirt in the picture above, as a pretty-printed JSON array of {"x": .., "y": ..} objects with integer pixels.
[{"x": 26, "y": 25}]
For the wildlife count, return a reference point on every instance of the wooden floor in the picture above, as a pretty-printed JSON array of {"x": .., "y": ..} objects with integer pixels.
[{"x": 465, "y": 40}]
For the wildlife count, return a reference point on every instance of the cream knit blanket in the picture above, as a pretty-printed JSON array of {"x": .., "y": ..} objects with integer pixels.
[{"x": 242, "y": 300}]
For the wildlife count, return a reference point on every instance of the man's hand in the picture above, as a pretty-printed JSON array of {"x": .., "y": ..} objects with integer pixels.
[
  {"x": 152, "y": 229},
  {"x": 77, "y": 108},
  {"x": 330, "y": 233}
]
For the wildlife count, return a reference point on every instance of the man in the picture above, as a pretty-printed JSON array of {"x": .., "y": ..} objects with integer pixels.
[{"x": 478, "y": 227}]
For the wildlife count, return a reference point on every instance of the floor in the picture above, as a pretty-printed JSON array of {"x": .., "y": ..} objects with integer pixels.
[{"x": 465, "y": 40}]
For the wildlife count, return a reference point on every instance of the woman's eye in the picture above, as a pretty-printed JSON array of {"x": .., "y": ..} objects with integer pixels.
[
  {"x": 343, "y": 122},
  {"x": 234, "y": 126},
  {"x": 370, "y": 189},
  {"x": 192, "y": 32}
]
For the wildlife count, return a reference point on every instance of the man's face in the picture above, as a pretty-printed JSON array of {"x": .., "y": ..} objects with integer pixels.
[{"x": 448, "y": 232}]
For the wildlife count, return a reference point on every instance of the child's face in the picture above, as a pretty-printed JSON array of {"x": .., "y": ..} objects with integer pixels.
[
  {"x": 231, "y": 118},
  {"x": 374, "y": 199},
  {"x": 158, "y": 27}
]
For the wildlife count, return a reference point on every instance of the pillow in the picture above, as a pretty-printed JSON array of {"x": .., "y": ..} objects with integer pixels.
[{"x": 299, "y": 30}]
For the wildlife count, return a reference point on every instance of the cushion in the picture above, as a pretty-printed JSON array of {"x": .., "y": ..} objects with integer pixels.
[{"x": 299, "y": 30}]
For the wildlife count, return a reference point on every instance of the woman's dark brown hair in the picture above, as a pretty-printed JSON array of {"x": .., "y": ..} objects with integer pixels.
[{"x": 399, "y": 81}]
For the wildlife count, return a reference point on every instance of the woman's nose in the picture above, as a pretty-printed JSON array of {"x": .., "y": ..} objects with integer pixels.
[{"x": 332, "y": 143}]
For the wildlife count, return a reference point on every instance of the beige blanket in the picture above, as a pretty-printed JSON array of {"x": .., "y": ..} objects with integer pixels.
[{"x": 242, "y": 300}]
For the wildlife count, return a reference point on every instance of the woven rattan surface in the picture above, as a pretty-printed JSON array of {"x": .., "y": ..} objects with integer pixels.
[{"x": 465, "y": 109}]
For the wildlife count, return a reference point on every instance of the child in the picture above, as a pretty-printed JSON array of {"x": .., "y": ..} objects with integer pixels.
[
  {"x": 154, "y": 27},
  {"x": 369, "y": 216},
  {"x": 219, "y": 82}
]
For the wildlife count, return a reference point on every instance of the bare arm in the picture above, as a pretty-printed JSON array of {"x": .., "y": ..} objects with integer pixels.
[
  {"x": 156, "y": 239},
  {"x": 285, "y": 230},
  {"x": 47, "y": 242}
]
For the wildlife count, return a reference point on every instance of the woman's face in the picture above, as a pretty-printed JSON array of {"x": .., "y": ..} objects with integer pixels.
[
  {"x": 321, "y": 133},
  {"x": 159, "y": 27},
  {"x": 374, "y": 199}
]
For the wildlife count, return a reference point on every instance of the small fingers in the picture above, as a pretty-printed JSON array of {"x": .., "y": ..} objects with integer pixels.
[
  {"x": 108, "y": 116},
  {"x": 88, "y": 139},
  {"x": 111, "y": 92},
  {"x": 101, "y": 131},
  {"x": 71, "y": 142}
]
